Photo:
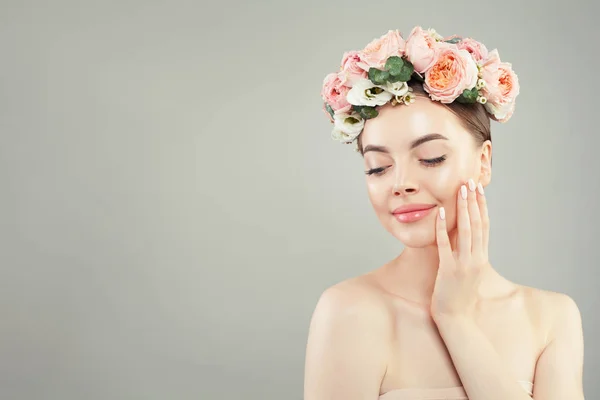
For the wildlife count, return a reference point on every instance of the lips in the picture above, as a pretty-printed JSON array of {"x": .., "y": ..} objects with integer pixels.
[
  {"x": 412, "y": 212},
  {"x": 412, "y": 208}
]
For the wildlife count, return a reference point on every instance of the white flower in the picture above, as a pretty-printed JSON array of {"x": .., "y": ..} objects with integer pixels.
[
  {"x": 339, "y": 135},
  {"x": 408, "y": 99},
  {"x": 349, "y": 125},
  {"x": 397, "y": 88},
  {"x": 366, "y": 93},
  {"x": 432, "y": 32}
]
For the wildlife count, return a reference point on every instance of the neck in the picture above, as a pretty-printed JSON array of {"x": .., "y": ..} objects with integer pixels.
[{"x": 413, "y": 273}]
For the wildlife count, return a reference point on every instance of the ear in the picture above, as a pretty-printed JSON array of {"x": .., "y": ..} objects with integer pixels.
[{"x": 485, "y": 170}]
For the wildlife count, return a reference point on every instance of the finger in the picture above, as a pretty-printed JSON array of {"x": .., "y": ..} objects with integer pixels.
[
  {"x": 442, "y": 239},
  {"x": 475, "y": 218},
  {"x": 463, "y": 224},
  {"x": 485, "y": 219}
]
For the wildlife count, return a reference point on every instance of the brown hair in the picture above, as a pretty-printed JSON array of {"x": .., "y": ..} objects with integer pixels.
[{"x": 473, "y": 117}]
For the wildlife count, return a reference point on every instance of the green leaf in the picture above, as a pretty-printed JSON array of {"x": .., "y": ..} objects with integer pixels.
[
  {"x": 368, "y": 112},
  {"x": 400, "y": 69},
  {"x": 394, "y": 63},
  {"x": 395, "y": 71},
  {"x": 405, "y": 74},
  {"x": 329, "y": 109},
  {"x": 377, "y": 76},
  {"x": 453, "y": 40},
  {"x": 397, "y": 78},
  {"x": 468, "y": 96}
]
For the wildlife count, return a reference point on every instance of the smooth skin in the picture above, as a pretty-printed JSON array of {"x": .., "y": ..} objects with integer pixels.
[{"x": 438, "y": 315}]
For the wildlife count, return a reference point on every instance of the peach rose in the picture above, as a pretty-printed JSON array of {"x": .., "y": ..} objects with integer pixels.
[
  {"x": 508, "y": 82},
  {"x": 420, "y": 49},
  {"x": 478, "y": 50},
  {"x": 334, "y": 93},
  {"x": 351, "y": 72},
  {"x": 489, "y": 71},
  {"x": 379, "y": 50},
  {"x": 452, "y": 72},
  {"x": 501, "y": 94}
]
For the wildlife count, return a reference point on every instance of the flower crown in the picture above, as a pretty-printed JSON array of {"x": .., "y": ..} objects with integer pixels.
[{"x": 450, "y": 69}]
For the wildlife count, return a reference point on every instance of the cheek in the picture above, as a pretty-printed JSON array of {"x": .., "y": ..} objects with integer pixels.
[
  {"x": 443, "y": 182},
  {"x": 444, "y": 186},
  {"x": 378, "y": 194}
]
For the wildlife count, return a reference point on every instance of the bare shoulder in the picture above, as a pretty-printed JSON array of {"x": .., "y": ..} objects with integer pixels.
[
  {"x": 356, "y": 304},
  {"x": 548, "y": 300},
  {"x": 559, "y": 368},
  {"x": 347, "y": 349},
  {"x": 359, "y": 296},
  {"x": 556, "y": 309}
]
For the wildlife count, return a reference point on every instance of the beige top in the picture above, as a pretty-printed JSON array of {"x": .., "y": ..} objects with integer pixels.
[{"x": 453, "y": 393}]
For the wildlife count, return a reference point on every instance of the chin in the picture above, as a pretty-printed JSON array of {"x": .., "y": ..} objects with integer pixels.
[
  {"x": 417, "y": 234},
  {"x": 415, "y": 239}
]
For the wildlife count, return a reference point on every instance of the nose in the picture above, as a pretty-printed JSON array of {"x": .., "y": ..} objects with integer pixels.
[
  {"x": 404, "y": 187},
  {"x": 404, "y": 190}
]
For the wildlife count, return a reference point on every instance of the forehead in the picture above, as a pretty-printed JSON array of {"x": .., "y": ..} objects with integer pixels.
[{"x": 397, "y": 126}]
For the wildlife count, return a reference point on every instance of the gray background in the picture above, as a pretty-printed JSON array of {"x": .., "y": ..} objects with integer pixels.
[{"x": 172, "y": 204}]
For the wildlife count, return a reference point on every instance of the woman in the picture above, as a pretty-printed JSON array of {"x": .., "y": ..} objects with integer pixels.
[{"x": 436, "y": 322}]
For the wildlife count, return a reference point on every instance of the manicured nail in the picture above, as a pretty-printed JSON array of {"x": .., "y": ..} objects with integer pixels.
[
  {"x": 480, "y": 188},
  {"x": 442, "y": 213},
  {"x": 471, "y": 185},
  {"x": 463, "y": 191}
]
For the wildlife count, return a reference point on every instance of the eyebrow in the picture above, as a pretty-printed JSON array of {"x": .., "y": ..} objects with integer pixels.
[{"x": 415, "y": 143}]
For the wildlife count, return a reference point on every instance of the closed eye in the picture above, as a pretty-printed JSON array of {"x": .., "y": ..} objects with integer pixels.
[
  {"x": 429, "y": 162},
  {"x": 375, "y": 171},
  {"x": 433, "y": 161}
]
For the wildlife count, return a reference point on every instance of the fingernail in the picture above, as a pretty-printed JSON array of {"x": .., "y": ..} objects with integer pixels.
[
  {"x": 442, "y": 213},
  {"x": 480, "y": 188},
  {"x": 463, "y": 191},
  {"x": 471, "y": 185}
]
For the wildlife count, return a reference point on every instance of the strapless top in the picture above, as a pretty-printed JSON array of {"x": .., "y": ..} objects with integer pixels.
[{"x": 452, "y": 393}]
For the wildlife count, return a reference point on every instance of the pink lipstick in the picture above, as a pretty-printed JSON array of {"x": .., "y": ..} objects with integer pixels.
[{"x": 412, "y": 212}]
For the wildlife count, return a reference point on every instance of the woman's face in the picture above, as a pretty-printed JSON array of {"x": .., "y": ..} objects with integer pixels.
[{"x": 419, "y": 154}]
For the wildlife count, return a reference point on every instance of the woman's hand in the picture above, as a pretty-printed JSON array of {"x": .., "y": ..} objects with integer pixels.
[{"x": 455, "y": 293}]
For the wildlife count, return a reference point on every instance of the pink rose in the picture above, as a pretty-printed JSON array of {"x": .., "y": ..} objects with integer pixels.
[
  {"x": 379, "y": 50},
  {"x": 478, "y": 50},
  {"x": 334, "y": 93},
  {"x": 351, "y": 70},
  {"x": 420, "y": 49},
  {"x": 502, "y": 93},
  {"x": 452, "y": 72}
]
